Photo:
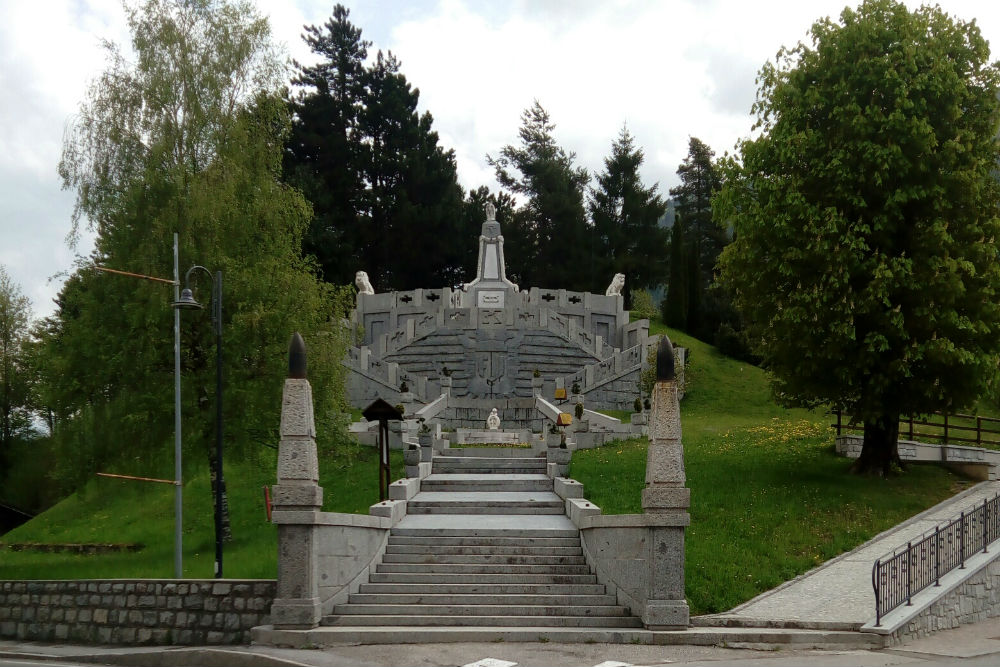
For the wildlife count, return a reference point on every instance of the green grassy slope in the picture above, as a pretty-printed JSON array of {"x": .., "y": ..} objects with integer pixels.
[
  {"x": 769, "y": 498},
  {"x": 118, "y": 511}
]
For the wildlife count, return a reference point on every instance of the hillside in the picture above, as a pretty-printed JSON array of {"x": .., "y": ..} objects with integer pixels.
[
  {"x": 119, "y": 511},
  {"x": 769, "y": 497}
]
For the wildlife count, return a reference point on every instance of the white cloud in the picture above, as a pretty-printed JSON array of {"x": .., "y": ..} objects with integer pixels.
[{"x": 669, "y": 69}]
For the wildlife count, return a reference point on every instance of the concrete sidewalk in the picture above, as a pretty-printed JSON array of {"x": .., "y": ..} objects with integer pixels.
[
  {"x": 975, "y": 644},
  {"x": 838, "y": 594}
]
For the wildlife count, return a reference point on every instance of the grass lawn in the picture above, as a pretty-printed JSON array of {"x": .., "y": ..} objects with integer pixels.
[
  {"x": 118, "y": 511},
  {"x": 769, "y": 498}
]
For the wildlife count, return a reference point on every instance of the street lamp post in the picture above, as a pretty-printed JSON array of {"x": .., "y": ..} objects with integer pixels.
[{"x": 187, "y": 302}]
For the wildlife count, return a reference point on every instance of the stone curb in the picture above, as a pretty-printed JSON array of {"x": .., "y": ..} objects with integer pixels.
[{"x": 759, "y": 638}]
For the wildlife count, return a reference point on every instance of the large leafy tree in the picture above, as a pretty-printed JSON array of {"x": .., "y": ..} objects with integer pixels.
[
  {"x": 550, "y": 241},
  {"x": 866, "y": 219},
  {"x": 186, "y": 137},
  {"x": 625, "y": 214},
  {"x": 15, "y": 378},
  {"x": 372, "y": 167}
]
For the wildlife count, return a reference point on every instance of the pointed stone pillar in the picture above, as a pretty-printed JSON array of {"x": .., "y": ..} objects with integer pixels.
[
  {"x": 667, "y": 499},
  {"x": 297, "y": 501}
]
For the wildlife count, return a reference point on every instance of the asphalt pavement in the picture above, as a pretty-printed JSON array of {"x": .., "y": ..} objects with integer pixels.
[{"x": 969, "y": 645}]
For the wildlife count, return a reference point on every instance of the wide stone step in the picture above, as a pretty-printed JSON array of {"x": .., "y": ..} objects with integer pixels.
[
  {"x": 505, "y": 465},
  {"x": 483, "y": 559},
  {"x": 486, "y": 502},
  {"x": 482, "y": 550},
  {"x": 478, "y": 610},
  {"x": 483, "y": 508},
  {"x": 466, "y": 533},
  {"x": 450, "y": 577},
  {"x": 482, "y": 589},
  {"x": 487, "y": 452},
  {"x": 481, "y": 621},
  {"x": 777, "y": 639},
  {"x": 485, "y": 482},
  {"x": 488, "y": 542},
  {"x": 461, "y": 568},
  {"x": 455, "y": 599},
  {"x": 485, "y": 470}
]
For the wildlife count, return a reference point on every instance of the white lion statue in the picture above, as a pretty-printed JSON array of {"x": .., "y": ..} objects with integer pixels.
[
  {"x": 617, "y": 283},
  {"x": 364, "y": 285}
]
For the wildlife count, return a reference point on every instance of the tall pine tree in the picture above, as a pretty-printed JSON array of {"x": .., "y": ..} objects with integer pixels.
[
  {"x": 625, "y": 215},
  {"x": 372, "y": 167},
  {"x": 549, "y": 238},
  {"x": 413, "y": 190},
  {"x": 704, "y": 240},
  {"x": 324, "y": 154}
]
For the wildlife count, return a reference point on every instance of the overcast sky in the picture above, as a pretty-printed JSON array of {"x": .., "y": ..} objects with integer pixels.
[{"x": 669, "y": 69}]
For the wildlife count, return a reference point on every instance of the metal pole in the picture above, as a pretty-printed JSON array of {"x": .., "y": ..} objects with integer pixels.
[
  {"x": 961, "y": 540},
  {"x": 909, "y": 574},
  {"x": 178, "y": 492},
  {"x": 937, "y": 555},
  {"x": 219, "y": 482}
]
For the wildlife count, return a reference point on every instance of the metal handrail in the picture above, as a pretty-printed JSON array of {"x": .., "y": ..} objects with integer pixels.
[{"x": 905, "y": 571}]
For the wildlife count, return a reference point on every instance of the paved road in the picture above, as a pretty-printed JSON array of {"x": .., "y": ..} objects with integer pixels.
[{"x": 970, "y": 645}]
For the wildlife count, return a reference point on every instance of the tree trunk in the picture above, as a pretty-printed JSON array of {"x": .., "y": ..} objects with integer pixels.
[{"x": 880, "y": 450}]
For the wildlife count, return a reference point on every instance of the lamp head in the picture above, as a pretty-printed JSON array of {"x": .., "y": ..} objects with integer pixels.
[{"x": 186, "y": 302}]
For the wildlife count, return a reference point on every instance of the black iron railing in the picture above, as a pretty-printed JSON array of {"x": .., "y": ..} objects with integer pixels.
[{"x": 899, "y": 576}]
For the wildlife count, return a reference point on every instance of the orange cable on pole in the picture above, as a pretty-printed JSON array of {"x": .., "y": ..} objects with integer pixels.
[
  {"x": 136, "y": 275},
  {"x": 138, "y": 479}
]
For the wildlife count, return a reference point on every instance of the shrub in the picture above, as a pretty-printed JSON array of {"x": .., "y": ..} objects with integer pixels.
[{"x": 643, "y": 306}]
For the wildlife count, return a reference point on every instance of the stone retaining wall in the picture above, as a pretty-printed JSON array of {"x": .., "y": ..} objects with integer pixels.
[
  {"x": 135, "y": 611},
  {"x": 972, "y": 601}
]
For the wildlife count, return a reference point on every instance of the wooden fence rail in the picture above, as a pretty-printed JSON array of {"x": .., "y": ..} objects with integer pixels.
[{"x": 955, "y": 428}]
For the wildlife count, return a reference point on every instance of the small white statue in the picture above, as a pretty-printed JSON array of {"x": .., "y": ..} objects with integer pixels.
[
  {"x": 363, "y": 284},
  {"x": 491, "y": 212},
  {"x": 617, "y": 283},
  {"x": 493, "y": 421}
]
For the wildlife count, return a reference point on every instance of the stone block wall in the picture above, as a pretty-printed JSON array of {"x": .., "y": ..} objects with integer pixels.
[
  {"x": 135, "y": 611},
  {"x": 618, "y": 394},
  {"x": 972, "y": 601}
]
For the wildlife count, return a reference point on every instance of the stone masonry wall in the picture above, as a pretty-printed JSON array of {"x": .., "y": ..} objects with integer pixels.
[
  {"x": 973, "y": 601},
  {"x": 143, "y": 611}
]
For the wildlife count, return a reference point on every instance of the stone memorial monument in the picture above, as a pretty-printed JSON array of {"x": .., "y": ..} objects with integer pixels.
[{"x": 497, "y": 341}]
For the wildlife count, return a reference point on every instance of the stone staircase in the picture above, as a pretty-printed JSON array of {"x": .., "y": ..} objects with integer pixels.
[{"x": 485, "y": 543}]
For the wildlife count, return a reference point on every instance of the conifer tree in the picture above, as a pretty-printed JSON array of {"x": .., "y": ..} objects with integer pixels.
[
  {"x": 550, "y": 238},
  {"x": 625, "y": 215},
  {"x": 325, "y": 153},
  {"x": 372, "y": 167},
  {"x": 675, "y": 304}
]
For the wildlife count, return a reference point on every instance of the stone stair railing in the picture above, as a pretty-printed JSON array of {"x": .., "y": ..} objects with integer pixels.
[{"x": 621, "y": 363}]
